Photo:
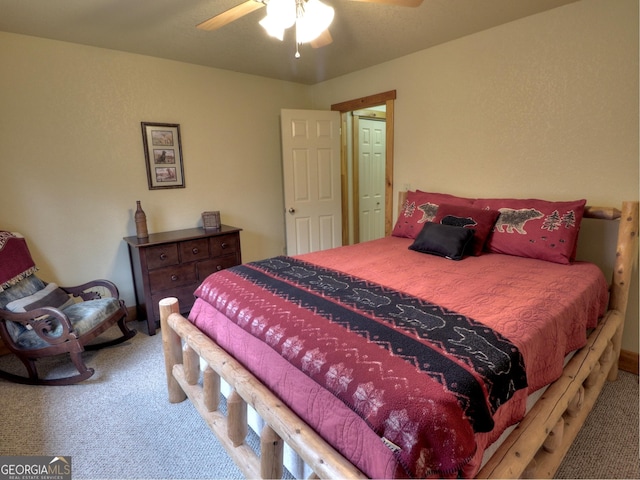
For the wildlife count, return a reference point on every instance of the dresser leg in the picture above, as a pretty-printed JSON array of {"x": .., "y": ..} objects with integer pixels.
[{"x": 151, "y": 325}]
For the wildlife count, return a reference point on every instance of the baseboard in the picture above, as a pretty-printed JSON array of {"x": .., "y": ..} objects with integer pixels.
[{"x": 628, "y": 361}]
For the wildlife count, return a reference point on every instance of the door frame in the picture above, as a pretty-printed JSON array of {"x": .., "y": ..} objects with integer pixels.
[{"x": 387, "y": 99}]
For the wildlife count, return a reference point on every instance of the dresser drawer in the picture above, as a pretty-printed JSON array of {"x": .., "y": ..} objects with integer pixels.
[
  {"x": 161, "y": 256},
  {"x": 183, "y": 294},
  {"x": 174, "y": 264},
  {"x": 224, "y": 245},
  {"x": 194, "y": 250},
  {"x": 207, "y": 267},
  {"x": 172, "y": 277}
]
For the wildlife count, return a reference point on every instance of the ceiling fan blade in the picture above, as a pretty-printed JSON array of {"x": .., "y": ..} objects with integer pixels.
[
  {"x": 323, "y": 39},
  {"x": 399, "y": 3},
  {"x": 230, "y": 15}
]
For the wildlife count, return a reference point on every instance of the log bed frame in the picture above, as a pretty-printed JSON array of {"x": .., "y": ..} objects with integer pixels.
[{"x": 534, "y": 449}]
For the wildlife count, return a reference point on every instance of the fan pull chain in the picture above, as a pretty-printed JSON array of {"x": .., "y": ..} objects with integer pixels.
[{"x": 299, "y": 14}]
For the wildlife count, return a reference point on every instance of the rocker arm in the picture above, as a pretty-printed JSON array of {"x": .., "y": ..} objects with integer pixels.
[
  {"x": 86, "y": 290},
  {"x": 40, "y": 320}
]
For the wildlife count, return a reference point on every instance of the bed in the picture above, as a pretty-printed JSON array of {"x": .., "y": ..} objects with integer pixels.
[{"x": 336, "y": 349}]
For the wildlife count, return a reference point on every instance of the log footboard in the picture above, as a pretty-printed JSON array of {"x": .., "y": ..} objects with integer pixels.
[
  {"x": 538, "y": 444},
  {"x": 534, "y": 449},
  {"x": 184, "y": 345}
]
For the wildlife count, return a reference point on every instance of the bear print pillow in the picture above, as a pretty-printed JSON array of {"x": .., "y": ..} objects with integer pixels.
[
  {"x": 535, "y": 228},
  {"x": 421, "y": 207}
]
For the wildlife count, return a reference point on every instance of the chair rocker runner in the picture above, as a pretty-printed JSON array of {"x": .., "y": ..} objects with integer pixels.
[{"x": 39, "y": 319}]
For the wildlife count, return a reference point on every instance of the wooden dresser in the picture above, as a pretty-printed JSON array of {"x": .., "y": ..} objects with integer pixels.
[{"x": 173, "y": 264}]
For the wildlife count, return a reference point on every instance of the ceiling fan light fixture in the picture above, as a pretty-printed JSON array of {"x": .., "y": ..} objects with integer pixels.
[
  {"x": 314, "y": 20},
  {"x": 272, "y": 27},
  {"x": 281, "y": 14}
]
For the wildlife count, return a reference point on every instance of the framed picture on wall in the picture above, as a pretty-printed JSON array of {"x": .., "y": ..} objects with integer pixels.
[{"x": 163, "y": 155}]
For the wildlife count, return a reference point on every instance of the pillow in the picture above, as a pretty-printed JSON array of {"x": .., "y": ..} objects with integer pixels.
[
  {"x": 421, "y": 207},
  {"x": 26, "y": 286},
  {"x": 49, "y": 296},
  {"x": 480, "y": 220},
  {"x": 535, "y": 228},
  {"x": 444, "y": 240}
]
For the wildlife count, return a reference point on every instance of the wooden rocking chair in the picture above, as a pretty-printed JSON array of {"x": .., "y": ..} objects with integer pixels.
[{"x": 41, "y": 320}]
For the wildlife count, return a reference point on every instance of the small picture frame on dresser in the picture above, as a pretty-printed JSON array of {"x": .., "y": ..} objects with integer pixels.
[
  {"x": 163, "y": 155},
  {"x": 211, "y": 220}
]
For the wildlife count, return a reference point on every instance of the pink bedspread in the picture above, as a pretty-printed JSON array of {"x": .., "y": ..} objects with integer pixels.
[{"x": 541, "y": 307}]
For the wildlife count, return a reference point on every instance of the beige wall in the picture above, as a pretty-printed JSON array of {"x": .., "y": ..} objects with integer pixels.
[
  {"x": 546, "y": 106},
  {"x": 542, "y": 107},
  {"x": 72, "y": 160}
]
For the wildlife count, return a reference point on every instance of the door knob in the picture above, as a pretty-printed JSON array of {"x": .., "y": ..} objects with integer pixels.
[{"x": 292, "y": 210}]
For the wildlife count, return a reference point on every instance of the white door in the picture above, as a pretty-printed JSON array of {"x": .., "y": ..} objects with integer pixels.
[
  {"x": 312, "y": 189},
  {"x": 371, "y": 178}
]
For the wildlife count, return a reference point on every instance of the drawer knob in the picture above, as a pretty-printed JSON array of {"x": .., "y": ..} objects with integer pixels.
[
  {"x": 174, "y": 278},
  {"x": 219, "y": 267},
  {"x": 224, "y": 245},
  {"x": 163, "y": 256},
  {"x": 195, "y": 251}
]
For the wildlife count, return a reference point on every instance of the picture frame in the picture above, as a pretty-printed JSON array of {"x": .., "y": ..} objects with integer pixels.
[{"x": 163, "y": 155}]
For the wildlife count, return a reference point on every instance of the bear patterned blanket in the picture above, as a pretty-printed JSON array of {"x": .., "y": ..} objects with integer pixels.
[{"x": 425, "y": 379}]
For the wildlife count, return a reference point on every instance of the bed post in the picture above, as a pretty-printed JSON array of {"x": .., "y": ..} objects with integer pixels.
[
  {"x": 172, "y": 346},
  {"x": 626, "y": 254}
]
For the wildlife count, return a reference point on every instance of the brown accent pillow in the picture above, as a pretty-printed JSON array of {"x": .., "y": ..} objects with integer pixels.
[
  {"x": 49, "y": 296},
  {"x": 480, "y": 220}
]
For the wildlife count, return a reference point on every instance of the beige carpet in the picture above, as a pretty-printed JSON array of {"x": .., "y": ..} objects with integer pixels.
[{"x": 119, "y": 424}]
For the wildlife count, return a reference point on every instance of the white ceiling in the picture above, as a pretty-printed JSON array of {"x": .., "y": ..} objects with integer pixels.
[{"x": 364, "y": 34}]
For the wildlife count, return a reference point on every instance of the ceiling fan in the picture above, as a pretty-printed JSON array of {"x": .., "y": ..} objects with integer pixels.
[{"x": 305, "y": 12}]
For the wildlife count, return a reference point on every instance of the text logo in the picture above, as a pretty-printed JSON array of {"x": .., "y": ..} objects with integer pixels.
[{"x": 35, "y": 468}]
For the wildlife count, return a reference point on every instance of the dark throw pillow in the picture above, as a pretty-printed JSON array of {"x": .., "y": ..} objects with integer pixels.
[{"x": 443, "y": 240}]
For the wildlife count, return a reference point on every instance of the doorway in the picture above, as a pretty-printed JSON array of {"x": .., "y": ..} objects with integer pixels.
[
  {"x": 367, "y": 161},
  {"x": 351, "y": 218},
  {"x": 311, "y": 179}
]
